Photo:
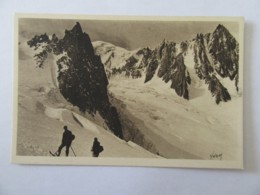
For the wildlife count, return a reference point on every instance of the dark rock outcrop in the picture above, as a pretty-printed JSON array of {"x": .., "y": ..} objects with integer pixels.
[
  {"x": 221, "y": 47},
  {"x": 172, "y": 68},
  {"x": 81, "y": 74},
  {"x": 224, "y": 50}
]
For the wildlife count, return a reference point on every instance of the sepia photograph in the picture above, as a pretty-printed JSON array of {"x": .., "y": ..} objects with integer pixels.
[{"x": 128, "y": 91}]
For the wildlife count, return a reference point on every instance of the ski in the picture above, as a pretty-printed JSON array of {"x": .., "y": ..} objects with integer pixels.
[{"x": 52, "y": 154}]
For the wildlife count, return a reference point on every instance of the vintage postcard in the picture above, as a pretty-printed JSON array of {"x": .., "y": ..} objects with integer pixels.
[{"x": 128, "y": 91}]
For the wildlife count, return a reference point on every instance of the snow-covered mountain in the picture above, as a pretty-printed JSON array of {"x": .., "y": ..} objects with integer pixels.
[
  {"x": 160, "y": 99},
  {"x": 155, "y": 84},
  {"x": 211, "y": 58}
]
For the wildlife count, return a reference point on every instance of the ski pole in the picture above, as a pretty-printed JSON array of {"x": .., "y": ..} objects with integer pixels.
[{"x": 73, "y": 151}]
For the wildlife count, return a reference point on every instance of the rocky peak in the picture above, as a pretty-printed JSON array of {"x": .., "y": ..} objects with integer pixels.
[
  {"x": 77, "y": 39},
  {"x": 221, "y": 29},
  {"x": 224, "y": 51},
  {"x": 77, "y": 29}
]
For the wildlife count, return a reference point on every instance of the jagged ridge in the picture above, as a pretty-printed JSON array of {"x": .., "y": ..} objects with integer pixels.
[{"x": 215, "y": 56}]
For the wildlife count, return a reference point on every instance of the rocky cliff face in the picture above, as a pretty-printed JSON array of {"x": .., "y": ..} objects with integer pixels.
[
  {"x": 225, "y": 53},
  {"x": 81, "y": 75},
  {"x": 214, "y": 56},
  {"x": 173, "y": 69}
]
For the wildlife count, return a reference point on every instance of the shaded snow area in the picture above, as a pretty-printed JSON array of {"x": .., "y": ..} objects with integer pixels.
[
  {"x": 179, "y": 128},
  {"x": 42, "y": 113}
]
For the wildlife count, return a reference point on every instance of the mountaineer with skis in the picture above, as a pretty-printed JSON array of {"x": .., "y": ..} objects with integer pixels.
[{"x": 67, "y": 139}]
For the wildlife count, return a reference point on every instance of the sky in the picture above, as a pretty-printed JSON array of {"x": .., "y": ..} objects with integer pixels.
[{"x": 128, "y": 34}]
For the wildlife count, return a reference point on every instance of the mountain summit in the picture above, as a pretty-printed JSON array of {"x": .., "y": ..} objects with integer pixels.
[{"x": 224, "y": 51}]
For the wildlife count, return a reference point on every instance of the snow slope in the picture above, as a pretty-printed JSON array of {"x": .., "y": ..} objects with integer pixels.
[
  {"x": 178, "y": 128},
  {"x": 42, "y": 113}
]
